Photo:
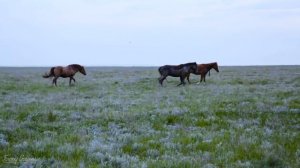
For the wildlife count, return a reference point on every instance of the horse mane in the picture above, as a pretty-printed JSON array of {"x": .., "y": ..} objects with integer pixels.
[
  {"x": 187, "y": 64},
  {"x": 190, "y": 63},
  {"x": 211, "y": 64},
  {"x": 77, "y": 66}
]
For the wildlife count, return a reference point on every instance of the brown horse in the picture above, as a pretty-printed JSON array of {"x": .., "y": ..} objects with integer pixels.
[
  {"x": 65, "y": 72},
  {"x": 203, "y": 69}
]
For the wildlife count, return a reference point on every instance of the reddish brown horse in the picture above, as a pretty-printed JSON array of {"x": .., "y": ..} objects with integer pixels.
[
  {"x": 65, "y": 72},
  {"x": 203, "y": 69}
]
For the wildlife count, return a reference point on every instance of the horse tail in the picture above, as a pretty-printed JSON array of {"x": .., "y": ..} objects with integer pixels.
[
  {"x": 51, "y": 73},
  {"x": 160, "y": 70}
]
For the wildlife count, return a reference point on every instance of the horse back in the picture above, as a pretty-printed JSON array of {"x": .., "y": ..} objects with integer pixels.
[{"x": 57, "y": 71}]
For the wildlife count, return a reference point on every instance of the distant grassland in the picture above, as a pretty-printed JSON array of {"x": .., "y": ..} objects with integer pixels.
[{"x": 122, "y": 117}]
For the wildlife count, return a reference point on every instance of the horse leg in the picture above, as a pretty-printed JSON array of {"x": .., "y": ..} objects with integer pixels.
[
  {"x": 181, "y": 81},
  {"x": 55, "y": 81},
  {"x": 201, "y": 78},
  {"x": 161, "y": 79},
  {"x": 183, "y": 78},
  {"x": 188, "y": 78},
  {"x": 70, "y": 81},
  {"x": 71, "y": 78}
]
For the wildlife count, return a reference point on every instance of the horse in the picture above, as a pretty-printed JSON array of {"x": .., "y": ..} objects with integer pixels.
[
  {"x": 182, "y": 71},
  {"x": 65, "y": 72},
  {"x": 203, "y": 69}
]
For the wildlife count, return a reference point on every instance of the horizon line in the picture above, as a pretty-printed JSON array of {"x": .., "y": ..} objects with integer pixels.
[{"x": 35, "y": 66}]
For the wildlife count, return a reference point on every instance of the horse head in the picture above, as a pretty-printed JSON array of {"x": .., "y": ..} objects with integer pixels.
[
  {"x": 215, "y": 66},
  {"x": 82, "y": 70}
]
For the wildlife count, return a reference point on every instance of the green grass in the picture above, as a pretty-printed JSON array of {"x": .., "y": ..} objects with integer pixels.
[{"x": 122, "y": 117}]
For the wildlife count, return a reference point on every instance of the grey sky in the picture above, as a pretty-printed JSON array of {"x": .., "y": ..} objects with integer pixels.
[{"x": 149, "y": 33}]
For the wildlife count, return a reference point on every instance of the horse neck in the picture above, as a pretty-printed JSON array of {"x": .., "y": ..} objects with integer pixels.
[
  {"x": 209, "y": 66},
  {"x": 76, "y": 68}
]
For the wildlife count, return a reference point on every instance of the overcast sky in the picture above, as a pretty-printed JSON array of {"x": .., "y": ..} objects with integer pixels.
[{"x": 149, "y": 32}]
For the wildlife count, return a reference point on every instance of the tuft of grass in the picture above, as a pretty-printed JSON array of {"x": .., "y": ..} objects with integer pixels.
[
  {"x": 206, "y": 146},
  {"x": 270, "y": 162},
  {"x": 73, "y": 139},
  {"x": 244, "y": 153},
  {"x": 51, "y": 117},
  {"x": 285, "y": 94},
  {"x": 203, "y": 123},
  {"x": 135, "y": 150},
  {"x": 23, "y": 115},
  {"x": 260, "y": 82},
  {"x": 172, "y": 119},
  {"x": 294, "y": 104}
]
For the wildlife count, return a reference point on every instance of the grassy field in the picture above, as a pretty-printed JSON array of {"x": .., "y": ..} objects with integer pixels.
[{"x": 121, "y": 117}]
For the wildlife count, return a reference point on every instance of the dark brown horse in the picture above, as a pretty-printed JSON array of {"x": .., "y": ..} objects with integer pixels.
[
  {"x": 65, "y": 72},
  {"x": 182, "y": 71},
  {"x": 203, "y": 69}
]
